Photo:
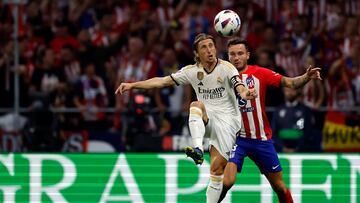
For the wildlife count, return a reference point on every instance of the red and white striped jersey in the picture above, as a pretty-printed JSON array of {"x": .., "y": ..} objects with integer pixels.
[
  {"x": 339, "y": 92},
  {"x": 290, "y": 63},
  {"x": 255, "y": 123},
  {"x": 164, "y": 15},
  {"x": 271, "y": 8}
]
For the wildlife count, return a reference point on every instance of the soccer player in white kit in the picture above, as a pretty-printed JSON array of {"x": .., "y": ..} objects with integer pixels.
[{"x": 216, "y": 112}]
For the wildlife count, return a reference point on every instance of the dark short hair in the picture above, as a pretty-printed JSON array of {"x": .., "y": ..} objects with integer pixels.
[
  {"x": 200, "y": 37},
  {"x": 237, "y": 40}
]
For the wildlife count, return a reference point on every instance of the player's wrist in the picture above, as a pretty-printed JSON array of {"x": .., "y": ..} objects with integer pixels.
[
  {"x": 239, "y": 84},
  {"x": 131, "y": 85}
]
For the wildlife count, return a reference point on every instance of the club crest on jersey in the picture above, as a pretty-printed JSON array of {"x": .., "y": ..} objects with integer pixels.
[
  {"x": 250, "y": 82},
  {"x": 219, "y": 80},
  {"x": 200, "y": 75}
]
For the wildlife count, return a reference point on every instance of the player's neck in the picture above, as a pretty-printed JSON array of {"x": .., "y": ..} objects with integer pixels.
[
  {"x": 243, "y": 70},
  {"x": 209, "y": 66}
]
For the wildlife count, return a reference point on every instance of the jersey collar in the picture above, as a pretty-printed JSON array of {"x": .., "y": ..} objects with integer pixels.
[{"x": 217, "y": 62}]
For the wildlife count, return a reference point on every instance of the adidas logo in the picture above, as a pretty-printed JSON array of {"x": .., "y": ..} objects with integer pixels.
[{"x": 201, "y": 84}]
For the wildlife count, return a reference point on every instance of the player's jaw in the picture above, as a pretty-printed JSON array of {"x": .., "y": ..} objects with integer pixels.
[{"x": 238, "y": 63}]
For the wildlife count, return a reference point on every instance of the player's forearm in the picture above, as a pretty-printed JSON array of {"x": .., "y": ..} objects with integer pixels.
[
  {"x": 296, "y": 82},
  {"x": 157, "y": 82},
  {"x": 241, "y": 90}
]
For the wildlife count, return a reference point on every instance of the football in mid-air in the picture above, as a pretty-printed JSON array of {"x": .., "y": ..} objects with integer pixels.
[{"x": 227, "y": 23}]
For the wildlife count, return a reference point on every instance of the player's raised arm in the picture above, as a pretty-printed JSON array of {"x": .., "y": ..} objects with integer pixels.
[
  {"x": 300, "y": 81},
  {"x": 156, "y": 82}
]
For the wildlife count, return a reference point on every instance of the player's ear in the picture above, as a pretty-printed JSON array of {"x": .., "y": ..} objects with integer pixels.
[
  {"x": 196, "y": 54},
  {"x": 248, "y": 55}
]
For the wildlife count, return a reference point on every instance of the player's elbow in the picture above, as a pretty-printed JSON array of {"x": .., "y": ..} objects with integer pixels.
[{"x": 166, "y": 81}]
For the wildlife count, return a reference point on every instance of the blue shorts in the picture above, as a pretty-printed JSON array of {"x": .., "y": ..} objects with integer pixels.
[{"x": 261, "y": 152}]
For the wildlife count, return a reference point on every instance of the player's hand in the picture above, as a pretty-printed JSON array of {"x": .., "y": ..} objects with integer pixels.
[
  {"x": 250, "y": 94},
  {"x": 123, "y": 87},
  {"x": 313, "y": 73}
]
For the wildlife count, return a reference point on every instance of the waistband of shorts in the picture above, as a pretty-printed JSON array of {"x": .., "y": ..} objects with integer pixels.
[{"x": 251, "y": 139}]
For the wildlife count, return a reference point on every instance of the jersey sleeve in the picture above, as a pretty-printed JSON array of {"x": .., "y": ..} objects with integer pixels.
[
  {"x": 233, "y": 75},
  {"x": 272, "y": 78},
  {"x": 232, "y": 71},
  {"x": 181, "y": 77}
]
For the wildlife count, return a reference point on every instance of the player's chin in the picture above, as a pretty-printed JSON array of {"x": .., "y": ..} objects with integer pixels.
[
  {"x": 211, "y": 58},
  {"x": 239, "y": 67}
]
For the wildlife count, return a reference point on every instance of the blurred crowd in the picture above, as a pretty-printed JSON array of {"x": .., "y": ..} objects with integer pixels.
[{"x": 74, "y": 53}]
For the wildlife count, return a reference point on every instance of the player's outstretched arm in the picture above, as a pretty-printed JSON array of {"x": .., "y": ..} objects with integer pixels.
[
  {"x": 300, "y": 81},
  {"x": 157, "y": 82}
]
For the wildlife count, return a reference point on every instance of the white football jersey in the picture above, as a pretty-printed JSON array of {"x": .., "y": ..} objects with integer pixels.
[{"x": 214, "y": 89}]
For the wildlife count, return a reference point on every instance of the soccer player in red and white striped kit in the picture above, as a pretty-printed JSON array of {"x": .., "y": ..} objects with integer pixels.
[{"x": 254, "y": 139}]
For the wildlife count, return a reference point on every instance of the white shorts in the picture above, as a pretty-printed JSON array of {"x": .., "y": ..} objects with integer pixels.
[{"x": 222, "y": 129}]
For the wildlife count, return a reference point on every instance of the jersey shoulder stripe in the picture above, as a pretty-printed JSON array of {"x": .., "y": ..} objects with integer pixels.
[
  {"x": 188, "y": 67},
  {"x": 226, "y": 64}
]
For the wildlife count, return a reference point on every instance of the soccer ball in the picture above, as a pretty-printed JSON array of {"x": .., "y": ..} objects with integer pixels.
[{"x": 227, "y": 23}]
